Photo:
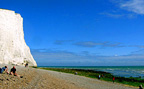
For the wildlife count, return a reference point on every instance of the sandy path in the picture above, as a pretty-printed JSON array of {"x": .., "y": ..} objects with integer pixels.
[{"x": 44, "y": 79}]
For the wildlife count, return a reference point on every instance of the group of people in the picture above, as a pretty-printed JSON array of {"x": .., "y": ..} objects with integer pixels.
[{"x": 12, "y": 71}]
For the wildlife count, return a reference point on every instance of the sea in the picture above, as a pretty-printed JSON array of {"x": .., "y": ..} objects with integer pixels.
[{"x": 121, "y": 71}]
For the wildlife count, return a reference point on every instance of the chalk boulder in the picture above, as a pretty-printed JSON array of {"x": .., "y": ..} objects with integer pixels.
[{"x": 13, "y": 49}]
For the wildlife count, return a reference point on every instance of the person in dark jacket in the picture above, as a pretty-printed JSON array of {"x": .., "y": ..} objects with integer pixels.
[
  {"x": 13, "y": 72},
  {"x": 140, "y": 87}
]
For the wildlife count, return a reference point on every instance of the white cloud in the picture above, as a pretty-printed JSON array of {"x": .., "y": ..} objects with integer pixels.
[
  {"x": 112, "y": 15},
  {"x": 94, "y": 44},
  {"x": 61, "y": 58},
  {"x": 136, "y": 6}
]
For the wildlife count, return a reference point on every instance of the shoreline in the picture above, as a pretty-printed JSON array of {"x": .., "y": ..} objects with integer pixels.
[
  {"x": 131, "y": 81},
  {"x": 119, "y": 71},
  {"x": 88, "y": 83},
  {"x": 35, "y": 78}
]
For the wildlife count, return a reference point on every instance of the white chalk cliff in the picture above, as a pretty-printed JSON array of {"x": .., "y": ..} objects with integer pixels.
[{"x": 13, "y": 49}]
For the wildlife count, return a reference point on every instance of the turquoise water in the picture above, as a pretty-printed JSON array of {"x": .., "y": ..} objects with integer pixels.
[{"x": 122, "y": 71}]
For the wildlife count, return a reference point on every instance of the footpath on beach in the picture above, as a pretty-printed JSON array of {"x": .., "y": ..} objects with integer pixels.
[{"x": 45, "y": 79}]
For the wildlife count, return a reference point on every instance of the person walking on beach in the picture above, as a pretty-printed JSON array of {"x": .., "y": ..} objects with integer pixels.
[
  {"x": 113, "y": 79},
  {"x": 99, "y": 77},
  {"x": 4, "y": 69},
  {"x": 76, "y": 73},
  {"x": 140, "y": 87}
]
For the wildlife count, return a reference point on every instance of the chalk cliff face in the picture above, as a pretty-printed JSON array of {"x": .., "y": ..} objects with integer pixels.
[{"x": 13, "y": 49}]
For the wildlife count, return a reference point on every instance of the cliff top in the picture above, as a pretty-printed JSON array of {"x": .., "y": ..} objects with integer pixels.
[{"x": 1, "y": 9}]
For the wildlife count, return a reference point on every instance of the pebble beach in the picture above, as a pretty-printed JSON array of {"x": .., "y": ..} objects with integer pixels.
[{"x": 45, "y": 79}]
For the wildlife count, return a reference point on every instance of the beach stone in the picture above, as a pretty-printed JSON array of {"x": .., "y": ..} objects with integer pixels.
[{"x": 13, "y": 49}]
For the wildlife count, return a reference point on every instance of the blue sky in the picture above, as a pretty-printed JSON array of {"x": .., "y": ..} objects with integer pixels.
[{"x": 82, "y": 32}]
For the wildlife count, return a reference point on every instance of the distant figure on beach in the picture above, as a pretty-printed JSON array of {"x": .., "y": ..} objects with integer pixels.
[
  {"x": 99, "y": 76},
  {"x": 13, "y": 72},
  {"x": 76, "y": 73},
  {"x": 4, "y": 69},
  {"x": 140, "y": 87},
  {"x": 26, "y": 65},
  {"x": 113, "y": 79}
]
